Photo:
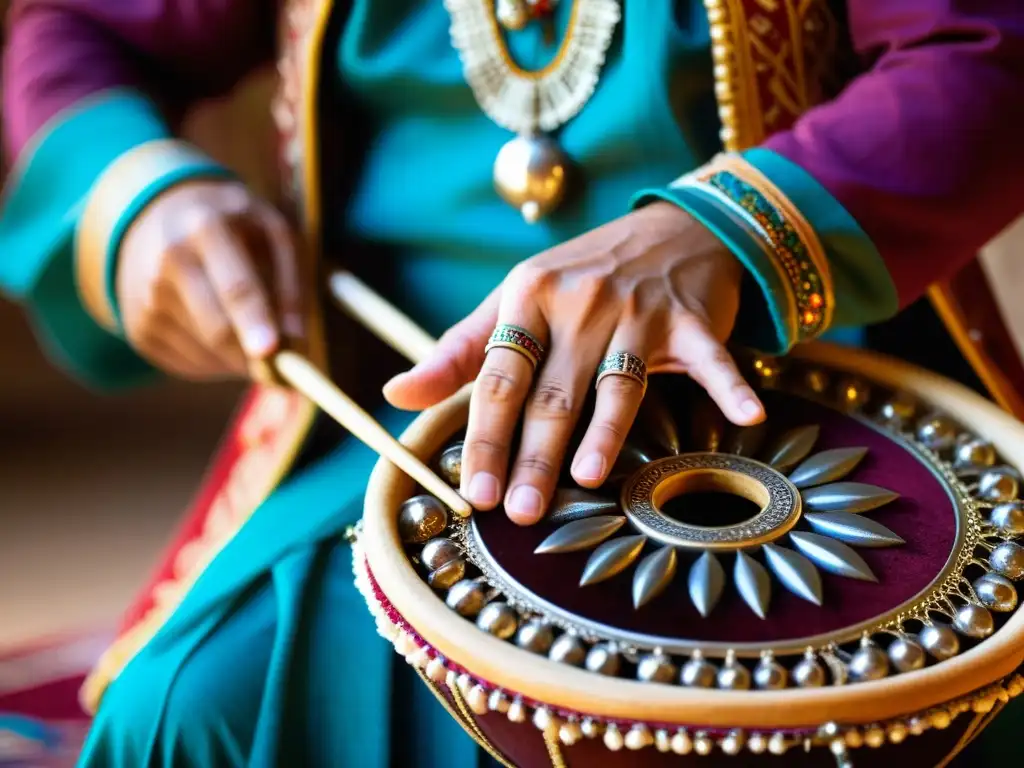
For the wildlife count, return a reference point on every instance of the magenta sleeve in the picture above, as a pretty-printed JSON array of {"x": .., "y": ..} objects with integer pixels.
[
  {"x": 59, "y": 52},
  {"x": 924, "y": 150}
]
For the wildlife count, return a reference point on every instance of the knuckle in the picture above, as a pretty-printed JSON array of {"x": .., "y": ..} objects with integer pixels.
[
  {"x": 497, "y": 385},
  {"x": 528, "y": 277},
  {"x": 538, "y": 463},
  {"x": 484, "y": 445},
  {"x": 621, "y": 387},
  {"x": 553, "y": 400},
  {"x": 241, "y": 292},
  {"x": 610, "y": 431}
]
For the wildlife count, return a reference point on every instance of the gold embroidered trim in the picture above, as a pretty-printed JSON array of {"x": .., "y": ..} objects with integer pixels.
[{"x": 119, "y": 184}]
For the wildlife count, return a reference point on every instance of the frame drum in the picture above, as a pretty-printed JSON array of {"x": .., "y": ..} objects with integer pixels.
[{"x": 838, "y": 579}]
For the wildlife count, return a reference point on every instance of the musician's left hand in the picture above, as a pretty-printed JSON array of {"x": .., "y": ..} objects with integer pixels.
[{"x": 654, "y": 283}]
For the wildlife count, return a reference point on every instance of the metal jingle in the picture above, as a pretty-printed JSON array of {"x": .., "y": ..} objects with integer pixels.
[
  {"x": 996, "y": 592},
  {"x": 604, "y": 659},
  {"x": 906, "y": 655},
  {"x": 499, "y": 619},
  {"x": 421, "y": 518},
  {"x": 568, "y": 649},
  {"x": 937, "y": 433},
  {"x": 439, "y": 552},
  {"x": 974, "y": 621},
  {"x": 940, "y": 641},
  {"x": 998, "y": 485},
  {"x": 656, "y": 668},
  {"x": 448, "y": 574},
  {"x": 974, "y": 453},
  {"x": 897, "y": 410},
  {"x": 1008, "y": 560},
  {"x": 869, "y": 663},
  {"x": 535, "y": 636},
  {"x": 466, "y": 598},
  {"x": 450, "y": 464},
  {"x": 1008, "y": 518},
  {"x": 733, "y": 675},
  {"x": 698, "y": 673},
  {"x": 769, "y": 675},
  {"x": 808, "y": 672}
]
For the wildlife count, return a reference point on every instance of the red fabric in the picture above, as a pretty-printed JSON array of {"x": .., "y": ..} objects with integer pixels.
[
  {"x": 195, "y": 517},
  {"x": 923, "y": 516}
]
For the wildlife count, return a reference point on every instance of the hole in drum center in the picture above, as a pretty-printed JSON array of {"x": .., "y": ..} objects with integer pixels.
[{"x": 711, "y": 498}]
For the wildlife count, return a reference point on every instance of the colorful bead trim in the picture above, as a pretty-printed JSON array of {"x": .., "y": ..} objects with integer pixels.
[{"x": 805, "y": 280}]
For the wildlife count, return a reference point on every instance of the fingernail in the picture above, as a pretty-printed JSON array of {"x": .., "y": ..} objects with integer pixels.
[
  {"x": 591, "y": 467},
  {"x": 525, "y": 504},
  {"x": 259, "y": 341},
  {"x": 483, "y": 490},
  {"x": 750, "y": 407}
]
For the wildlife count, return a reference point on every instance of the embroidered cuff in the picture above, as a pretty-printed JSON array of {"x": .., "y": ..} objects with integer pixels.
[{"x": 121, "y": 193}]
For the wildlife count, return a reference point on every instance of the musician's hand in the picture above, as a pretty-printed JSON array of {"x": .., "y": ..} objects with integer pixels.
[
  {"x": 654, "y": 283},
  {"x": 193, "y": 276}
]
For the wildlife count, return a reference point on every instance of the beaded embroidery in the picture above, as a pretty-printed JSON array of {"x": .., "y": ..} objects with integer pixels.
[{"x": 787, "y": 245}]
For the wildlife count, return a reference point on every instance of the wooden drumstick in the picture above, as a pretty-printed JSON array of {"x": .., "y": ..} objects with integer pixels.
[
  {"x": 306, "y": 378},
  {"x": 380, "y": 317}
]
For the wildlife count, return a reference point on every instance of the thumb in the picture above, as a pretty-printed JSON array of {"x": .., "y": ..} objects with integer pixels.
[{"x": 454, "y": 362}]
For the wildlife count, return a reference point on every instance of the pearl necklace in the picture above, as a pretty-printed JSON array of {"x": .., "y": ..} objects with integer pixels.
[{"x": 530, "y": 170}]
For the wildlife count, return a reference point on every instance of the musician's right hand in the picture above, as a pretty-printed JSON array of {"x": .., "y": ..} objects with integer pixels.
[{"x": 193, "y": 281}]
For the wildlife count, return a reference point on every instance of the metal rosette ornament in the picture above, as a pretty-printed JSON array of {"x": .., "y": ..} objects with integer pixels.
[{"x": 842, "y": 577}]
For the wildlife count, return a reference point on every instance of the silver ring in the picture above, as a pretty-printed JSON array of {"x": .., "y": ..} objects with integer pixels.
[
  {"x": 623, "y": 364},
  {"x": 517, "y": 339}
]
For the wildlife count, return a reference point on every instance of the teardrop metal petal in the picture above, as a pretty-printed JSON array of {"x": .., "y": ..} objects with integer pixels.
[
  {"x": 707, "y": 579},
  {"x": 581, "y": 534},
  {"x": 827, "y": 466},
  {"x": 793, "y": 447},
  {"x": 832, "y": 556},
  {"x": 631, "y": 458},
  {"x": 654, "y": 573},
  {"x": 575, "y": 504},
  {"x": 747, "y": 441},
  {"x": 795, "y": 571},
  {"x": 853, "y": 529},
  {"x": 847, "y": 497},
  {"x": 656, "y": 423},
  {"x": 707, "y": 426},
  {"x": 753, "y": 582},
  {"x": 611, "y": 558}
]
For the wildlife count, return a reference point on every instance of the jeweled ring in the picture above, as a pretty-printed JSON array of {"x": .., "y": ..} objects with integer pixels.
[
  {"x": 518, "y": 339},
  {"x": 623, "y": 364}
]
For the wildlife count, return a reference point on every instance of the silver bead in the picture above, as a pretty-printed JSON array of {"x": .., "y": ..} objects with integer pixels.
[
  {"x": 702, "y": 744},
  {"x": 662, "y": 741},
  {"x": 500, "y": 619},
  {"x": 466, "y": 598},
  {"x": 477, "y": 700},
  {"x": 530, "y": 175},
  {"x": 974, "y": 621},
  {"x": 974, "y": 453},
  {"x": 769, "y": 675},
  {"x": 613, "y": 738},
  {"x": 998, "y": 485},
  {"x": 874, "y": 737},
  {"x": 543, "y": 719},
  {"x": 906, "y": 655},
  {"x": 568, "y": 650},
  {"x": 450, "y": 464},
  {"x": 603, "y": 659},
  {"x": 591, "y": 728},
  {"x": 656, "y": 668},
  {"x": 897, "y": 411},
  {"x": 448, "y": 574},
  {"x": 1008, "y": 518},
  {"x": 498, "y": 702},
  {"x": 996, "y": 592},
  {"x": 869, "y": 662},
  {"x": 569, "y": 733},
  {"x": 757, "y": 743},
  {"x": 1008, "y": 559},
  {"x": 439, "y": 552},
  {"x": 937, "y": 433},
  {"x": 517, "y": 711},
  {"x": 777, "y": 744},
  {"x": 535, "y": 636},
  {"x": 733, "y": 675},
  {"x": 698, "y": 673},
  {"x": 940, "y": 641},
  {"x": 421, "y": 518},
  {"x": 808, "y": 673}
]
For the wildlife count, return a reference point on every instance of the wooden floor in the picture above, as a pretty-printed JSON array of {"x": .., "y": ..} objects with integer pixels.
[{"x": 90, "y": 486}]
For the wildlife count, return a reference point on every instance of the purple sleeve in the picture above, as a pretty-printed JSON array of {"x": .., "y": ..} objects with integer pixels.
[
  {"x": 925, "y": 149},
  {"x": 59, "y": 52}
]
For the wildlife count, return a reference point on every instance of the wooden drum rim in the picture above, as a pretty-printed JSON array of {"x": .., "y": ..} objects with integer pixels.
[{"x": 563, "y": 687}]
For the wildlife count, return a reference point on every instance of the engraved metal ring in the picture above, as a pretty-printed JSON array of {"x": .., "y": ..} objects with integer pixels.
[
  {"x": 519, "y": 340},
  {"x": 623, "y": 364}
]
